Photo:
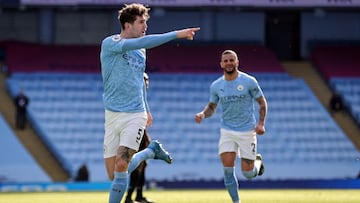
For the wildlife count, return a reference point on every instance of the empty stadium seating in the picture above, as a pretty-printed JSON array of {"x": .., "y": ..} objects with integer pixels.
[
  {"x": 339, "y": 64},
  {"x": 302, "y": 141},
  {"x": 16, "y": 164},
  {"x": 349, "y": 88}
]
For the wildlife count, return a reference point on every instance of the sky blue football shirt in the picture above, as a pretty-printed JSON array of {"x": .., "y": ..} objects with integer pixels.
[
  {"x": 123, "y": 64},
  {"x": 237, "y": 99}
]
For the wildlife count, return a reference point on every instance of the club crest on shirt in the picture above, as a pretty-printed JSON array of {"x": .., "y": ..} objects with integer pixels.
[{"x": 240, "y": 88}]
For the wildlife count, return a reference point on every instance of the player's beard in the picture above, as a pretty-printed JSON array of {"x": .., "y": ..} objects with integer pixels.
[{"x": 231, "y": 71}]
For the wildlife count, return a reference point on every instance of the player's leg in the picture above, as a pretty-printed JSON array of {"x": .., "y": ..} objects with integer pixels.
[
  {"x": 110, "y": 165},
  {"x": 136, "y": 175},
  {"x": 141, "y": 182},
  {"x": 141, "y": 170},
  {"x": 154, "y": 151},
  {"x": 134, "y": 181},
  {"x": 111, "y": 142},
  {"x": 228, "y": 150},
  {"x": 120, "y": 182},
  {"x": 122, "y": 134},
  {"x": 148, "y": 155},
  {"x": 230, "y": 179},
  {"x": 251, "y": 162},
  {"x": 141, "y": 179}
]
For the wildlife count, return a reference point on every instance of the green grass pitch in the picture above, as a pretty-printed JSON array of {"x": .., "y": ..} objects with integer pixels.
[{"x": 194, "y": 196}]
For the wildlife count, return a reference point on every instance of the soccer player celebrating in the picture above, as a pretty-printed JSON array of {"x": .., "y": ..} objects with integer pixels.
[
  {"x": 123, "y": 60},
  {"x": 237, "y": 92}
]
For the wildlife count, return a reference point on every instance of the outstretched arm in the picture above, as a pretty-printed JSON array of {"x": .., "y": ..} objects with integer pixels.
[
  {"x": 208, "y": 111},
  {"x": 188, "y": 33},
  {"x": 154, "y": 40}
]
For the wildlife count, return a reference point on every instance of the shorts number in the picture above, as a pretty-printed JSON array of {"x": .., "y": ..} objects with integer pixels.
[
  {"x": 253, "y": 146},
  {"x": 139, "y": 135}
]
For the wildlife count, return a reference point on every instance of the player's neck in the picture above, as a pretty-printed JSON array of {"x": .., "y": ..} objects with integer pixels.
[
  {"x": 123, "y": 35},
  {"x": 232, "y": 76}
]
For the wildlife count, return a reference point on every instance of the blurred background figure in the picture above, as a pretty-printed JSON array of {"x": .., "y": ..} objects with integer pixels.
[
  {"x": 336, "y": 103},
  {"x": 82, "y": 174},
  {"x": 21, "y": 102}
]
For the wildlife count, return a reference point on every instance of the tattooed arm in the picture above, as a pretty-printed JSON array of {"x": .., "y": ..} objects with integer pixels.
[
  {"x": 208, "y": 111},
  {"x": 260, "y": 127}
]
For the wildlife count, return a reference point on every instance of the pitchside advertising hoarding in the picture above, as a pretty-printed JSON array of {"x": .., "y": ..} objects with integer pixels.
[{"x": 185, "y": 3}]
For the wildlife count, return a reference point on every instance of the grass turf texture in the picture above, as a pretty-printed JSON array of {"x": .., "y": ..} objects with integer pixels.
[{"x": 193, "y": 196}]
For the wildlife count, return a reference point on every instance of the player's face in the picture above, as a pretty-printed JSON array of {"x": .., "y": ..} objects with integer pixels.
[
  {"x": 139, "y": 27},
  {"x": 229, "y": 63}
]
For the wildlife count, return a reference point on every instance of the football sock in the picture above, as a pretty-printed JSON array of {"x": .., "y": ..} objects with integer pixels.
[
  {"x": 139, "y": 157},
  {"x": 118, "y": 187},
  {"x": 253, "y": 173},
  {"x": 231, "y": 183},
  {"x": 250, "y": 174}
]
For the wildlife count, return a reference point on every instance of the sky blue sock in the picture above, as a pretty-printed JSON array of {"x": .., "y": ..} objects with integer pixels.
[
  {"x": 139, "y": 157},
  {"x": 118, "y": 187},
  {"x": 231, "y": 183},
  {"x": 250, "y": 174}
]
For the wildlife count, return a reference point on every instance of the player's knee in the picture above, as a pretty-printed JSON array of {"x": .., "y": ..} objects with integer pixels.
[
  {"x": 121, "y": 165},
  {"x": 248, "y": 174}
]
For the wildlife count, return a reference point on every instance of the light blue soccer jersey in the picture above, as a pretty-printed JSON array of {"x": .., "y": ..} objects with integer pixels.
[
  {"x": 123, "y": 64},
  {"x": 237, "y": 99}
]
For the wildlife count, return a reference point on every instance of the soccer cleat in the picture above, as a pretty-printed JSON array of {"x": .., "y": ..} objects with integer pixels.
[
  {"x": 129, "y": 201},
  {"x": 144, "y": 200},
  {"x": 160, "y": 152},
  {"x": 262, "y": 167}
]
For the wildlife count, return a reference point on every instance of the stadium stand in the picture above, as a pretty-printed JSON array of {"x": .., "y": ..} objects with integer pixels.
[
  {"x": 350, "y": 92},
  {"x": 302, "y": 141},
  {"x": 16, "y": 164},
  {"x": 72, "y": 58},
  {"x": 28, "y": 57},
  {"x": 58, "y": 114},
  {"x": 339, "y": 64},
  {"x": 337, "y": 61},
  {"x": 197, "y": 59}
]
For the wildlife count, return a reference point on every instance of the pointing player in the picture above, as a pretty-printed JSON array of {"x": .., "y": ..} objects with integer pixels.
[{"x": 123, "y": 59}]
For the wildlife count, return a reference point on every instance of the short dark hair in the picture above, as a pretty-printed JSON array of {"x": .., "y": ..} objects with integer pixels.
[
  {"x": 228, "y": 51},
  {"x": 129, "y": 12}
]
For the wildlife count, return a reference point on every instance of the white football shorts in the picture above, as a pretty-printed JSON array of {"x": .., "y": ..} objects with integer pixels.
[
  {"x": 243, "y": 143},
  {"x": 123, "y": 129}
]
